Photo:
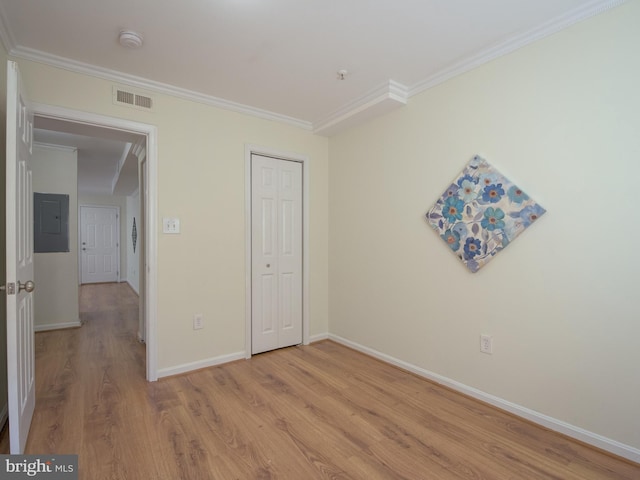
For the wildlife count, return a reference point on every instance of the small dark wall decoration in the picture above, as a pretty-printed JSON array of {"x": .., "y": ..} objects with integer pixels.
[
  {"x": 50, "y": 222},
  {"x": 134, "y": 234}
]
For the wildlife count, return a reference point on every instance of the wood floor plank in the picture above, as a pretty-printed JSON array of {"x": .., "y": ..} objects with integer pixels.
[{"x": 315, "y": 412}]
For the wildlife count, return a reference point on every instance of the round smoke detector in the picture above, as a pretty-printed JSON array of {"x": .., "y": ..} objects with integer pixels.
[{"x": 130, "y": 39}]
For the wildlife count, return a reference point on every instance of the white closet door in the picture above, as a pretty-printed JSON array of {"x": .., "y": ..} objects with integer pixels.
[{"x": 276, "y": 252}]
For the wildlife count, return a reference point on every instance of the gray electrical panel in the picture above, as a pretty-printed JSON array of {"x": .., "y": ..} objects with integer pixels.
[{"x": 51, "y": 222}]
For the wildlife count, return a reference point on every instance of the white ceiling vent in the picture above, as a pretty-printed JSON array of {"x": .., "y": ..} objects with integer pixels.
[{"x": 127, "y": 97}]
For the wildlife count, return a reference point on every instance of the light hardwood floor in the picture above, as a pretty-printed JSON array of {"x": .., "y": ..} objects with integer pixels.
[{"x": 321, "y": 411}]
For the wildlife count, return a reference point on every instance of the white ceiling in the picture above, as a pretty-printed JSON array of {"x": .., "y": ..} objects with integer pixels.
[{"x": 278, "y": 58}]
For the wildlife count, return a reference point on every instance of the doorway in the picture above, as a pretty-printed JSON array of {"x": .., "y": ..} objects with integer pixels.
[
  {"x": 277, "y": 285},
  {"x": 146, "y": 235}
]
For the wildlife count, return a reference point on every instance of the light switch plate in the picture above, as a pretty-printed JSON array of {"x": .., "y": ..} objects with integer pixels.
[{"x": 170, "y": 225}]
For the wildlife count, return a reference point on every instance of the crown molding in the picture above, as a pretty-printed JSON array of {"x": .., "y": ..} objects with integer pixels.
[
  {"x": 380, "y": 100},
  {"x": 51, "y": 146},
  {"x": 514, "y": 43},
  {"x": 383, "y": 99},
  {"x": 151, "y": 85}
]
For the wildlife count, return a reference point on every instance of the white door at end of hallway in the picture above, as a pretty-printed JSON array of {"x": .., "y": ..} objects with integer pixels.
[
  {"x": 276, "y": 253},
  {"x": 99, "y": 244}
]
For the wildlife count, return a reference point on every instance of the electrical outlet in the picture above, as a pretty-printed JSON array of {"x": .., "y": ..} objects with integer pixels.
[
  {"x": 198, "y": 321},
  {"x": 486, "y": 344}
]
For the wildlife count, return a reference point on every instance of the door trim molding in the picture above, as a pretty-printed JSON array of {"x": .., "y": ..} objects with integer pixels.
[
  {"x": 249, "y": 150},
  {"x": 114, "y": 207},
  {"x": 151, "y": 206}
]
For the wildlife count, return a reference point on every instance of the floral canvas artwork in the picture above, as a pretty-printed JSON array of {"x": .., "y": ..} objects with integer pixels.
[{"x": 481, "y": 213}]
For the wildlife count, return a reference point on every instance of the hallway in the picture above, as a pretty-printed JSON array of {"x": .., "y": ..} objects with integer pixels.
[{"x": 86, "y": 371}]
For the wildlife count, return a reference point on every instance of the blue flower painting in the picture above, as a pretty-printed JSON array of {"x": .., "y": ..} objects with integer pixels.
[{"x": 481, "y": 213}]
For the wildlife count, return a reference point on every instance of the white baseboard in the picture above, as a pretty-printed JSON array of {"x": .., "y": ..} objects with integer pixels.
[
  {"x": 56, "y": 326},
  {"x": 318, "y": 338},
  {"x": 209, "y": 362},
  {"x": 132, "y": 287},
  {"x": 594, "y": 439}
]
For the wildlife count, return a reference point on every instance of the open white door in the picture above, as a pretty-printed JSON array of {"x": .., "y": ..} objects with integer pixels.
[{"x": 20, "y": 337}]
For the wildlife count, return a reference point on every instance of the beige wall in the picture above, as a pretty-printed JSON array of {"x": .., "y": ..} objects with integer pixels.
[
  {"x": 55, "y": 170},
  {"x": 560, "y": 118},
  {"x": 201, "y": 181}
]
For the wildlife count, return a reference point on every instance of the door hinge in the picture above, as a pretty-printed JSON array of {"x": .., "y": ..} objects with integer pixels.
[{"x": 9, "y": 287}]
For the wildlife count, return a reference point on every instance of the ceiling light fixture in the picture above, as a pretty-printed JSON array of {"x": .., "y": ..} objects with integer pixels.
[{"x": 130, "y": 39}]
